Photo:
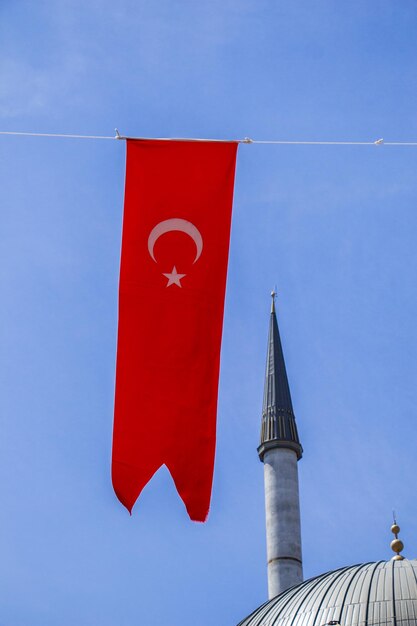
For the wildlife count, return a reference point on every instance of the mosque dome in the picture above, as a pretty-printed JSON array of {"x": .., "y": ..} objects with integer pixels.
[{"x": 371, "y": 594}]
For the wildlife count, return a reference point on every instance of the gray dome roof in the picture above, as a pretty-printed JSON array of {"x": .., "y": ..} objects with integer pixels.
[{"x": 383, "y": 593}]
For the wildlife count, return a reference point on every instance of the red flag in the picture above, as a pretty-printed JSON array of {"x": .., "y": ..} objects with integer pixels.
[{"x": 176, "y": 230}]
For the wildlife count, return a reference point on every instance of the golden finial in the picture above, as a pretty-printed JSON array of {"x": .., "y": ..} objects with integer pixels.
[{"x": 396, "y": 544}]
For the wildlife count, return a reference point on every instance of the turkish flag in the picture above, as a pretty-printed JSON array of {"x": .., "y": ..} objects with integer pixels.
[{"x": 176, "y": 231}]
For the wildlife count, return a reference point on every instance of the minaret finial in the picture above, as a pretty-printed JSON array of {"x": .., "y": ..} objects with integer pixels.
[
  {"x": 396, "y": 544},
  {"x": 273, "y": 296}
]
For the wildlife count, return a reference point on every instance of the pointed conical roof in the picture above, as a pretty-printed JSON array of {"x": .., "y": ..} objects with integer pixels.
[{"x": 279, "y": 429}]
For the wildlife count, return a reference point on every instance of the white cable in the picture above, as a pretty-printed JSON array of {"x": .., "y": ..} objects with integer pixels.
[
  {"x": 247, "y": 140},
  {"x": 6, "y": 132}
]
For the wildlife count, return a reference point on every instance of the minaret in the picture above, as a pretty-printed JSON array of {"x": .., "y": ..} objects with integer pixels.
[{"x": 280, "y": 449}]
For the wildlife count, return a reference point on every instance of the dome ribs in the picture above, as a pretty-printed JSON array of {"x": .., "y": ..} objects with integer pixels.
[
  {"x": 394, "y": 612},
  {"x": 382, "y": 593},
  {"x": 329, "y": 588},
  {"x": 369, "y": 591}
]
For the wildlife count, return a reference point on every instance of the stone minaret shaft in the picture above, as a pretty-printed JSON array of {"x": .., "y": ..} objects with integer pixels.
[{"x": 280, "y": 449}]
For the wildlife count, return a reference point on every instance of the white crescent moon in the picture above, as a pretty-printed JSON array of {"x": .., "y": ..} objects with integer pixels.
[{"x": 175, "y": 223}]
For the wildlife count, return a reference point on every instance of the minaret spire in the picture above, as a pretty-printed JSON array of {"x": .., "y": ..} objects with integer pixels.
[
  {"x": 279, "y": 429},
  {"x": 279, "y": 450}
]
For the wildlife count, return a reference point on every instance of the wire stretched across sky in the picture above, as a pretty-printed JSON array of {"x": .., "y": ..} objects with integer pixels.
[{"x": 247, "y": 140}]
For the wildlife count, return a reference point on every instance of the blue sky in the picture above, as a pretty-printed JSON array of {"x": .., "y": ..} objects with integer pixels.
[{"x": 335, "y": 228}]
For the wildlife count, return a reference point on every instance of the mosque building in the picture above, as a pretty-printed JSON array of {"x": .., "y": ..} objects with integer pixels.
[{"x": 383, "y": 593}]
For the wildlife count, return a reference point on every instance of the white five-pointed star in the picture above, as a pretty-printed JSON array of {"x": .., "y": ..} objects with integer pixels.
[{"x": 174, "y": 278}]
